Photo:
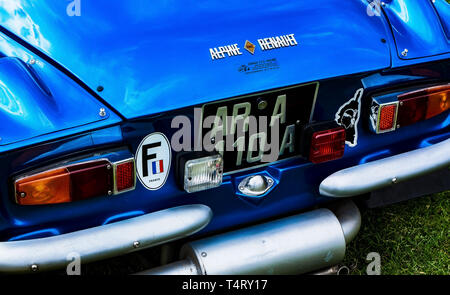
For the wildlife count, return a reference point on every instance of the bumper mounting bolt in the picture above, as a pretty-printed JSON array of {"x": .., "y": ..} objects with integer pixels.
[
  {"x": 136, "y": 244},
  {"x": 34, "y": 268},
  {"x": 394, "y": 180}
]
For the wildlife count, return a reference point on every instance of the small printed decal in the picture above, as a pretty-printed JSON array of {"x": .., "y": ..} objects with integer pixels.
[
  {"x": 259, "y": 66},
  {"x": 348, "y": 117},
  {"x": 153, "y": 158}
]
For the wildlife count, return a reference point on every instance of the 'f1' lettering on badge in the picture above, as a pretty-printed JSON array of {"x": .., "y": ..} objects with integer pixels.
[{"x": 153, "y": 158}]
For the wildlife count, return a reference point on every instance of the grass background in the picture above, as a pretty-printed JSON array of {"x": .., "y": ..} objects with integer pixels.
[{"x": 412, "y": 237}]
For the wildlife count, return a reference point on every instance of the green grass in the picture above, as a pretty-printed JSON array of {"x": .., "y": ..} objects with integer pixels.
[{"x": 412, "y": 237}]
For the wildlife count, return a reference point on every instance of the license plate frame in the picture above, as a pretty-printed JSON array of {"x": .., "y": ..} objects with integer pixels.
[{"x": 300, "y": 104}]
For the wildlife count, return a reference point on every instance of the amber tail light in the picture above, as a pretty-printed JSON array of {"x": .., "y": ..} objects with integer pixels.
[
  {"x": 422, "y": 104},
  {"x": 75, "y": 182}
]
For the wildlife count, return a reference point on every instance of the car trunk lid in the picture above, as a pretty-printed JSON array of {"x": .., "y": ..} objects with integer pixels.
[{"x": 154, "y": 57}]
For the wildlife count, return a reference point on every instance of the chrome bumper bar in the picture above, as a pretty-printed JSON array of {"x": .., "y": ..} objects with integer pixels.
[
  {"x": 104, "y": 241},
  {"x": 379, "y": 174}
]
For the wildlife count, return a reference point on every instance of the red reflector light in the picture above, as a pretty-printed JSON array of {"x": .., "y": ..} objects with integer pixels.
[
  {"x": 423, "y": 104},
  {"x": 387, "y": 117},
  {"x": 124, "y": 176},
  {"x": 327, "y": 145}
]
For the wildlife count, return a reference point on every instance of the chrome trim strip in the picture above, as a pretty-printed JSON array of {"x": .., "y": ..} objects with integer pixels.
[
  {"x": 379, "y": 174},
  {"x": 396, "y": 103},
  {"x": 104, "y": 241}
]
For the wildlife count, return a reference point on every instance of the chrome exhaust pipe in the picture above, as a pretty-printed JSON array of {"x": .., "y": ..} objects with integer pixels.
[
  {"x": 293, "y": 245},
  {"x": 331, "y": 271}
]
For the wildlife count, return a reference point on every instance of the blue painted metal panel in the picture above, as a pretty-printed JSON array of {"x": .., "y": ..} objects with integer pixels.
[
  {"x": 39, "y": 103},
  {"x": 416, "y": 27},
  {"x": 443, "y": 10},
  {"x": 30, "y": 107},
  {"x": 159, "y": 50}
]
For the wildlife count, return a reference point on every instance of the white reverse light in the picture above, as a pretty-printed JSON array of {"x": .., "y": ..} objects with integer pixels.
[{"x": 203, "y": 173}]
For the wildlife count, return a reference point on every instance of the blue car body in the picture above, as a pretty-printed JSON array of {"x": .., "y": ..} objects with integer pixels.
[{"x": 152, "y": 62}]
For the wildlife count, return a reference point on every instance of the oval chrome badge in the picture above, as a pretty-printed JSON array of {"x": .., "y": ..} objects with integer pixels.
[{"x": 153, "y": 159}]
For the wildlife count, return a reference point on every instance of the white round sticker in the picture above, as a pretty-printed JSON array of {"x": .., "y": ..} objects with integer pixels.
[{"x": 153, "y": 159}]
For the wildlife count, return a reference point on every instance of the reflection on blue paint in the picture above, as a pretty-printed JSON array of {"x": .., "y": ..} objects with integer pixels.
[
  {"x": 446, "y": 123},
  {"x": 377, "y": 80},
  {"x": 18, "y": 222},
  {"x": 375, "y": 156},
  {"x": 416, "y": 27},
  {"x": 123, "y": 216},
  {"x": 434, "y": 139},
  {"x": 108, "y": 135},
  {"x": 49, "y": 232}
]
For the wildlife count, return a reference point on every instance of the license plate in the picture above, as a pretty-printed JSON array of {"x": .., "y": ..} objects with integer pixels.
[{"x": 245, "y": 139}]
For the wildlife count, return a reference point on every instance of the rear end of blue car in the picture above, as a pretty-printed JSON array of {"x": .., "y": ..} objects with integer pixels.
[{"x": 240, "y": 138}]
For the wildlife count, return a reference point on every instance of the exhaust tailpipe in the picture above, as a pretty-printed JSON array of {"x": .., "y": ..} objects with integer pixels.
[{"x": 294, "y": 245}]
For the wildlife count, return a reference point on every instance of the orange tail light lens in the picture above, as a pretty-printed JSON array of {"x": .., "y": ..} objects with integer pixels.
[
  {"x": 73, "y": 183},
  {"x": 423, "y": 104},
  {"x": 50, "y": 187}
]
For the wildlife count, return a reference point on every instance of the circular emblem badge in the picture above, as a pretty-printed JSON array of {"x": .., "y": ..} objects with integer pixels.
[{"x": 153, "y": 159}]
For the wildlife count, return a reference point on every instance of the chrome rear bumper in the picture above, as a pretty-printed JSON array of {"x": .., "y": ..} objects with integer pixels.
[
  {"x": 379, "y": 174},
  {"x": 105, "y": 241}
]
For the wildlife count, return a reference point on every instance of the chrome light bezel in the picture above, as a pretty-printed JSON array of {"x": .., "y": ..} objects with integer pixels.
[{"x": 375, "y": 114}]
